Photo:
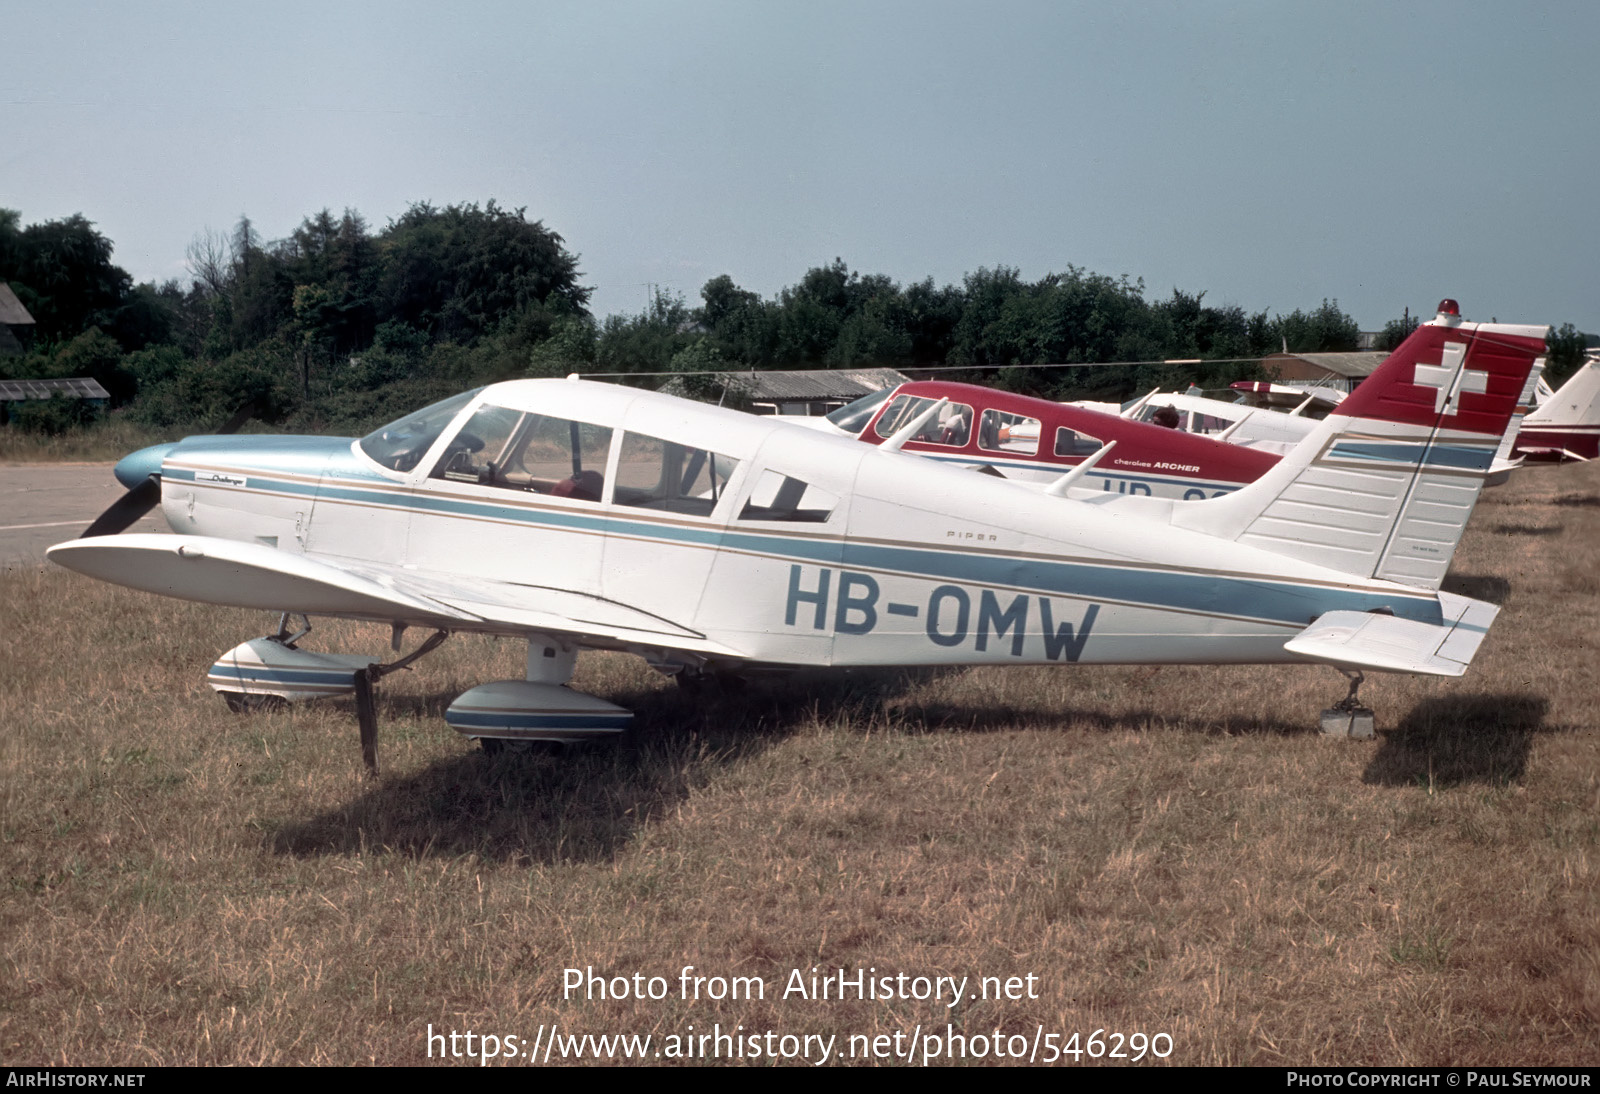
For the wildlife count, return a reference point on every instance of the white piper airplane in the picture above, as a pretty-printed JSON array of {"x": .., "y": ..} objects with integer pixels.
[{"x": 585, "y": 515}]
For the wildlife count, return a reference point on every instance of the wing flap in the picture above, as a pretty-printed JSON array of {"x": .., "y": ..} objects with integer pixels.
[
  {"x": 1386, "y": 643},
  {"x": 543, "y": 608}
]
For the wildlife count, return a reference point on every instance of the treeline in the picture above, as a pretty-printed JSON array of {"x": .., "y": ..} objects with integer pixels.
[
  {"x": 990, "y": 324},
  {"x": 332, "y": 327},
  {"x": 338, "y": 327}
]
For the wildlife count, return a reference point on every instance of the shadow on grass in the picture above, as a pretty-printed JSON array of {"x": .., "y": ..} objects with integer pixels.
[
  {"x": 970, "y": 718},
  {"x": 1478, "y": 586},
  {"x": 1528, "y": 530},
  {"x": 1450, "y": 740},
  {"x": 581, "y": 803},
  {"x": 1577, "y": 501},
  {"x": 585, "y": 803}
]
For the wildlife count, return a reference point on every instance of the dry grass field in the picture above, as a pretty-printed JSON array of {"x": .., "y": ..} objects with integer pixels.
[{"x": 1165, "y": 851}]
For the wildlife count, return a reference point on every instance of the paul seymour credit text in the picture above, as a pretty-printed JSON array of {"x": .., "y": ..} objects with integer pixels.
[{"x": 949, "y": 1036}]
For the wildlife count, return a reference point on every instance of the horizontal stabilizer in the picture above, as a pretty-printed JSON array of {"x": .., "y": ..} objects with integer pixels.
[
  {"x": 1548, "y": 450},
  {"x": 1386, "y": 643}
]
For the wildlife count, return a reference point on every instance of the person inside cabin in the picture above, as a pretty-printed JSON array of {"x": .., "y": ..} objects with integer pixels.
[
  {"x": 1166, "y": 416},
  {"x": 585, "y": 486},
  {"x": 958, "y": 428}
]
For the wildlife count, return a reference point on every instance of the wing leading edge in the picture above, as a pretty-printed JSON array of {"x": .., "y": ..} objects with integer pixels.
[{"x": 248, "y": 575}]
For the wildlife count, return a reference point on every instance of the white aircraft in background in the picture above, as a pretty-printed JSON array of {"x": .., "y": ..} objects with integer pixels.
[
  {"x": 1565, "y": 424},
  {"x": 1265, "y": 430},
  {"x": 583, "y": 515}
]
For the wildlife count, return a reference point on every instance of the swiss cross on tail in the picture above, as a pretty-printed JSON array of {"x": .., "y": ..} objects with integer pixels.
[
  {"x": 1452, "y": 375},
  {"x": 1451, "y": 379}
]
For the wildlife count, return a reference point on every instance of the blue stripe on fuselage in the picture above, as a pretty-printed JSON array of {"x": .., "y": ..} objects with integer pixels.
[{"x": 1276, "y": 600}]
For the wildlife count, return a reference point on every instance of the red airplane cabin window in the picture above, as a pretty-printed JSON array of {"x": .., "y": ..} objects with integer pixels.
[
  {"x": 1002, "y": 431},
  {"x": 951, "y": 427},
  {"x": 1070, "y": 442}
]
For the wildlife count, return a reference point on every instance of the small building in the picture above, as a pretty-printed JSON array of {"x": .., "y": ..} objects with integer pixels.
[
  {"x": 804, "y": 392},
  {"x": 16, "y": 325},
  {"x": 80, "y": 387},
  {"x": 1339, "y": 370}
]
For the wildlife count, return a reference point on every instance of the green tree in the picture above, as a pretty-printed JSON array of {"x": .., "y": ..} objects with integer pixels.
[
  {"x": 1566, "y": 346},
  {"x": 62, "y": 272},
  {"x": 571, "y": 347},
  {"x": 646, "y": 342},
  {"x": 1326, "y": 330},
  {"x": 743, "y": 327},
  {"x": 461, "y": 271},
  {"x": 1395, "y": 331}
]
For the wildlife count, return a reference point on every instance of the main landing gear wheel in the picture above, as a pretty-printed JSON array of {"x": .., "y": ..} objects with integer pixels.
[{"x": 1347, "y": 717}]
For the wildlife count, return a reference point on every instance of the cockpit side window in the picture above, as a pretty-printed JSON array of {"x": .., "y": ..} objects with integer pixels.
[
  {"x": 401, "y": 444},
  {"x": 514, "y": 450},
  {"x": 653, "y": 473},
  {"x": 951, "y": 426},
  {"x": 478, "y": 444}
]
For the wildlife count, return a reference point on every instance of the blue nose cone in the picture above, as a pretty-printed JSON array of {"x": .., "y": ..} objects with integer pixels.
[{"x": 136, "y": 467}]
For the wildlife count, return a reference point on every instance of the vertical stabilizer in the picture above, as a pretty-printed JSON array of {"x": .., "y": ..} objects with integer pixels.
[
  {"x": 1385, "y": 485},
  {"x": 1566, "y": 424}
]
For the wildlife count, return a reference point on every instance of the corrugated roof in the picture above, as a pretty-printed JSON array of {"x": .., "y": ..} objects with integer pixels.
[
  {"x": 808, "y": 384},
  {"x": 79, "y": 387},
  {"x": 1340, "y": 364},
  {"x": 12, "y": 313}
]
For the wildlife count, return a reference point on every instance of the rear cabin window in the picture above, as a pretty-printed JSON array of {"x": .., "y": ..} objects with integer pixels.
[
  {"x": 783, "y": 497},
  {"x": 951, "y": 426},
  {"x": 513, "y": 450},
  {"x": 1070, "y": 442},
  {"x": 653, "y": 473},
  {"x": 1001, "y": 431}
]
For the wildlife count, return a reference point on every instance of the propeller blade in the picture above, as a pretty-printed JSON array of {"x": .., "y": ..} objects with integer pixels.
[
  {"x": 240, "y": 416},
  {"x": 126, "y": 509}
]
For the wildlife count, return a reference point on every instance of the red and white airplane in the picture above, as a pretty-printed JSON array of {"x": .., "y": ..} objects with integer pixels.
[{"x": 1034, "y": 440}]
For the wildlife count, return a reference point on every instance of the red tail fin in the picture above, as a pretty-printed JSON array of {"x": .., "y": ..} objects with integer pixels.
[{"x": 1451, "y": 375}]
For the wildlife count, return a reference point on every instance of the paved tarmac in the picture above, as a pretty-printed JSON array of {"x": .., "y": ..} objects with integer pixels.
[{"x": 42, "y": 504}]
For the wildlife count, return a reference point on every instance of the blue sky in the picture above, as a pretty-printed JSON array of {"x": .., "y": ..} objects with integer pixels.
[{"x": 1269, "y": 153}]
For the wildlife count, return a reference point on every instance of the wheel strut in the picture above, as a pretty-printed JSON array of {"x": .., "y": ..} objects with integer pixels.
[
  {"x": 1348, "y": 717},
  {"x": 366, "y": 712}
]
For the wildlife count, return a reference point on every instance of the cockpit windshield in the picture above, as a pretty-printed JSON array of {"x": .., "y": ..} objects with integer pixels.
[
  {"x": 853, "y": 417},
  {"x": 401, "y": 444}
]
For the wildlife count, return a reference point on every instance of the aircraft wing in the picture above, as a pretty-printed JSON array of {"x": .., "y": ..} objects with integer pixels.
[
  {"x": 1386, "y": 643},
  {"x": 249, "y": 575}
]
